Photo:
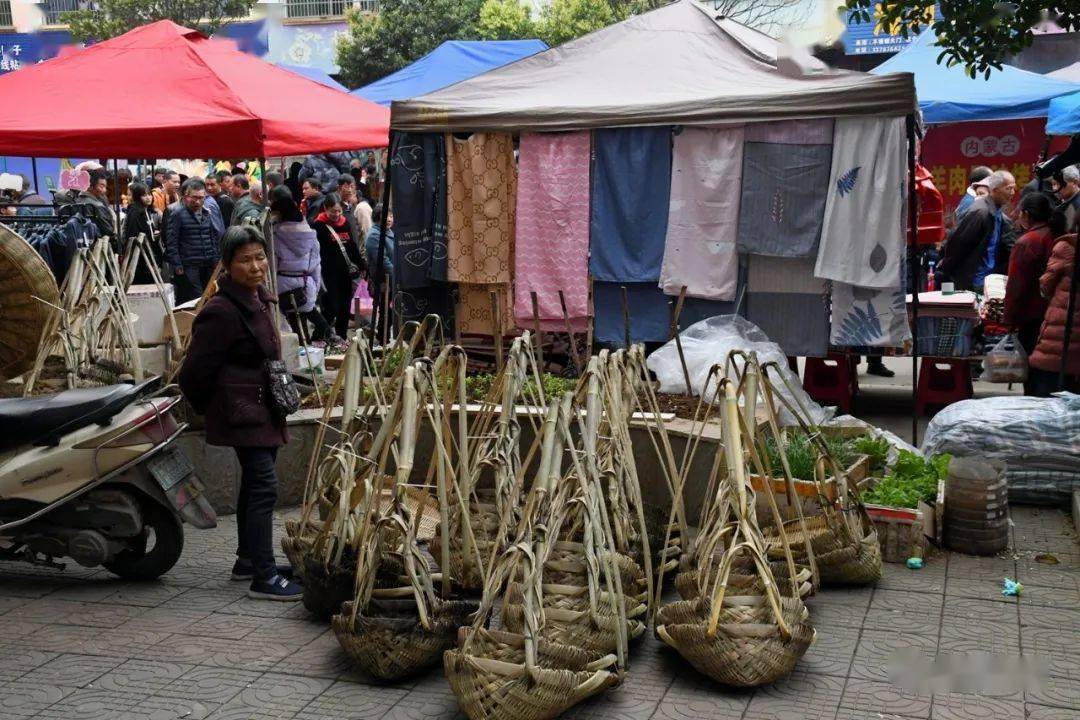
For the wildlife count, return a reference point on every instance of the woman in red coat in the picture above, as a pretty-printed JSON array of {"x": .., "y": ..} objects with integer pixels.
[
  {"x": 1056, "y": 284},
  {"x": 224, "y": 377},
  {"x": 1025, "y": 306}
]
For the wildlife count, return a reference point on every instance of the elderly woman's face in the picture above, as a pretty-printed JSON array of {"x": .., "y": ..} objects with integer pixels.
[{"x": 249, "y": 266}]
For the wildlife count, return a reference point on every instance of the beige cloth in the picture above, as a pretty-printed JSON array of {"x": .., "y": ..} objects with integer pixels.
[
  {"x": 482, "y": 192},
  {"x": 473, "y": 313}
]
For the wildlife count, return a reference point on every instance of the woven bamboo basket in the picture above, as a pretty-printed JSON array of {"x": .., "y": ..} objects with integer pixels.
[
  {"x": 748, "y": 648},
  {"x": 687, "y": 585},
  {"x": 28, "y": 294},
  {"x": 389, "y": 641},
  {"x": 296, "y": 545},
  {"x": 484, "y": 521},
  {"x": 326, "y": 587},
  {"x": 839, "y": 562},
  {"x": 569, "y": 621},
  {"x": 492, "y": 682}
]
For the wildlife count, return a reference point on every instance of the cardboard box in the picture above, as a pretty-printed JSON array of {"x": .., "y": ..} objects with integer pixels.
[
  {"x": 150, "y": 309},
  {"x": 184, "y": 319}
]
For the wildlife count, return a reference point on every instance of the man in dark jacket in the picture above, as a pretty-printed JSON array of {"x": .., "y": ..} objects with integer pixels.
[
  {"x": 1070, "y": 194},
  {"x": 976, "y": 247},
  {"x": 248, "y": 200},
  {"x": 95, "y": 203},
  {"x": 214, "y": 190},
  {"x": 192, "y": 239}
]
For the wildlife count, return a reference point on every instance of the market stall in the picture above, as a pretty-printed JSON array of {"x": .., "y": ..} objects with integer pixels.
[{"x": 675, "y": 159}]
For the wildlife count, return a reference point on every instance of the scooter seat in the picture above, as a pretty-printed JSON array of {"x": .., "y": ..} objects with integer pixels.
[{"x": 44, "y": 420}]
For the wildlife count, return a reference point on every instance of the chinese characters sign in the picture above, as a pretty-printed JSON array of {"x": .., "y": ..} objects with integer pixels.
[
  {"x": 18, "y": 50},
  {"x": 876, "y": 36},
  {"x": 951, "y": 151}
]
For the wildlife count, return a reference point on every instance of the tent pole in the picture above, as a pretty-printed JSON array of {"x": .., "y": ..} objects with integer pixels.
[
  {"x": 116, "y": 201},
  {"x": 33, "y": 168},
  {"x": 913, "y": 271},
  {"x": 381, "y": 255}
]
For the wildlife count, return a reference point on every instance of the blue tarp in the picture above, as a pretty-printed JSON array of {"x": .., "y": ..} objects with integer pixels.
[
  {"x": 1064, "y": 118},
  {"x": 947, "y": 94},
  {"x": 313, "y": 73},
  {"x": 451, "y": 62}
]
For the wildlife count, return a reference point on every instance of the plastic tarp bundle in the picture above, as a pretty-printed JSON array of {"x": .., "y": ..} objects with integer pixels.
[
  {"x": 1037, "y": 438},
  {"x": 708, "y": 342}
]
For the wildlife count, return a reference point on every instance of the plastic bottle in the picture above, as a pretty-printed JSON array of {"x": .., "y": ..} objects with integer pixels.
[{"x": 930, "y": 279}]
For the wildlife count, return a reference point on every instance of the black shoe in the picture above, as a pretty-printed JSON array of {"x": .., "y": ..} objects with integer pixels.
[
  {"x": 879, "y": 369},
  {"x": 279, "y": 588},
  {"x": 242, "y": 569}
]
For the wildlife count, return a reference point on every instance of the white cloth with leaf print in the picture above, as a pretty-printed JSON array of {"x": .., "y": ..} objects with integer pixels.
[
  {"x": 862, "y": 237},
  {"x": 868, "y": 317},
  {"x": 703, "y": 214}
]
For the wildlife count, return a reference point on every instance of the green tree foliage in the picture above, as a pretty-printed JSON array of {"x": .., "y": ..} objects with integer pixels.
[
  {"x": 978, "y": 34},
  {"x": 401, "y": 32},
  {"x": 564, "y": 20},
  {"x": 109, "y": 18},
  {"x": 505, "y": 20}
]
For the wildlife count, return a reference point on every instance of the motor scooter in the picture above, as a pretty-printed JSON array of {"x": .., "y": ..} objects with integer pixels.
[{"x": 93, "y": 474}]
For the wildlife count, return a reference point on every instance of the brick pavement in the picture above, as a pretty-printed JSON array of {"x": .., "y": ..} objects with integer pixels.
[{"x": 81, "y": 645}]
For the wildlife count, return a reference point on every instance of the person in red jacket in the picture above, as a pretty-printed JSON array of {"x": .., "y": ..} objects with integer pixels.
[
  {"x": 1055, "y": 285},
  {"x": 1025, "y": 307}
]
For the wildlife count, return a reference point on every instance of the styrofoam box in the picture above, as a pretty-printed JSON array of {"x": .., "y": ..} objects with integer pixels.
[{"x": 145, "y": 301}]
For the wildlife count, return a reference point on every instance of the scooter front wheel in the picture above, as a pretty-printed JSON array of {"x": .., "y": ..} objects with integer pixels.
[{"x": 158, "y": 552}]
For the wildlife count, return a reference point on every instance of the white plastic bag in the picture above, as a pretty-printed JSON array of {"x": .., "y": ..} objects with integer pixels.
[
  {"x": 708, "y": 342},
  {"x": 1007, "y": 362},
  {"x": 313, "y": 358}
]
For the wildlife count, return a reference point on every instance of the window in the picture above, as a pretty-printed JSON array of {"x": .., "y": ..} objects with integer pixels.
[
  {"x": 5, "y": 13},
  {"x": 296, "y": 9},
  {"x": 55, "y": 8}
]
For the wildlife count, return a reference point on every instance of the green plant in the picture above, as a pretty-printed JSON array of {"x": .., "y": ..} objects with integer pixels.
[
  {"x": 911, "y": 480},
  {"x": 478, "y": 386},
  {"x": 877, "y": 449},
  {"x": 802, "y": 455}
]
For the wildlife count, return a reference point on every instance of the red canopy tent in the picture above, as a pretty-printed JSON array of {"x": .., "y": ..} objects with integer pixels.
[{"x": 163, "y": 90}]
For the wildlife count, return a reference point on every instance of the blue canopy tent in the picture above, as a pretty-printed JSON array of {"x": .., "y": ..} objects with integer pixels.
[
  {"x": 1064, "y": 117},
  {"x": 451, "y": 62},
  {"x": 312, "y": 73},
  {"x": 947, "y": 94}
]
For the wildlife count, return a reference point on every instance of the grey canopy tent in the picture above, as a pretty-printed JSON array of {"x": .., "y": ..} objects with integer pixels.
[{"x": 680, "y": 64}]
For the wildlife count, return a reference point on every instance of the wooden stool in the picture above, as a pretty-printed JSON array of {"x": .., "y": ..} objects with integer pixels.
[
  {"x": 943, "y": 381},
  {"x": 832, "y": 380}
]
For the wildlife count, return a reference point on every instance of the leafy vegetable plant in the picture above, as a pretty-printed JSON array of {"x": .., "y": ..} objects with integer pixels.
[{"x": 912, "y": 479}]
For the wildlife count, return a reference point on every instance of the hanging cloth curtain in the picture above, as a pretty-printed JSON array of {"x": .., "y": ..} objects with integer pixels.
[
  {"x": 703, "y": 214},
  {"x": 482, "y": 189},
  {"x": 650, "y": 313},
  {"x": 418, "y": 173},
  {"x": 789, "y": 304},
  {"x": 783, "y": 198},
  {"x": 631, "y": 184},
  {"x": 862, "y": 238},
  {"x": 552, "y": 242}
]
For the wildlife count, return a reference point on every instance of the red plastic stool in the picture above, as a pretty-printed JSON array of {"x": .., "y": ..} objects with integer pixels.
[
  {"x": 943, "y": 381},
  {"x": 832, "y": 380}
]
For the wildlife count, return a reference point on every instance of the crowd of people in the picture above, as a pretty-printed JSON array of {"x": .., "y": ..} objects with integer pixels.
[
  {"x": 323, "y": 225},
  {"x": 1033, "y": 243}
]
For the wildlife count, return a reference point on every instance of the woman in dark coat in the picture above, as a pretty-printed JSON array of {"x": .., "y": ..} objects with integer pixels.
[
  {"x": 341, "y": 262},
  {"x": 224, "y": 377},
  {"x": 143, "y": 219}
]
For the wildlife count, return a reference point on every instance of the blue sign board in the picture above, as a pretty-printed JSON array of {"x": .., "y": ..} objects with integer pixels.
[
  {"x": 871, "y": 38},
  {"x": 18, "y": 50}
]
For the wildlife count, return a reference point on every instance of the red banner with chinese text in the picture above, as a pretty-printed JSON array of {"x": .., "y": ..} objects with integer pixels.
[{"x": 950, "y": 152}]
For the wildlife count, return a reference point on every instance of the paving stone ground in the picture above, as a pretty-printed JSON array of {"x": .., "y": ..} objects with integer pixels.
[{"x": 82, "y": 645}]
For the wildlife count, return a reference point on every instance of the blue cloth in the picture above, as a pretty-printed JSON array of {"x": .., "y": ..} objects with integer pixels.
[
  {"x": 631, "y": 186},
  {"x": 451, "y": 62},
  {"x": 947, "y": 94},
  {"x": 216, "y": 219},
  {"x": 1064, "y": 115},
  {"x": 963, "y": 206},
  {"x": 650, "y": 313},
  {"x": 990, "y": 258},
  {"x": 371, "y": 248}
]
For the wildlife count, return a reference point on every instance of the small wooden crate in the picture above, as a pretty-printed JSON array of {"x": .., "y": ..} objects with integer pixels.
[{"x": 900, "y": 532}]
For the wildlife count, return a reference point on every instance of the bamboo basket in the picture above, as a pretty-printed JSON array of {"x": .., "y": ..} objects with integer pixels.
[
  {"x": 492, "y": 680},
  {"x": 389, "y": 641}
]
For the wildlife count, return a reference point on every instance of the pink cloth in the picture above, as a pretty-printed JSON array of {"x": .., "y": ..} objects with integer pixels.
[{"x": 552, "y": 241}]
